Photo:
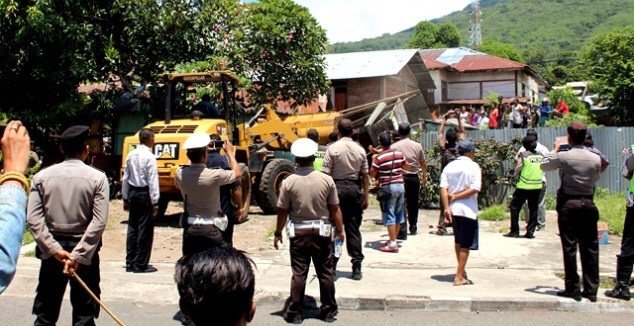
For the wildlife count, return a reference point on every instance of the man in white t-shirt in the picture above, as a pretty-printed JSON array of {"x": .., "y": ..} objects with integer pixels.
[
  {"x": 541, "y": 210},
  {"x": 460, "y": 183}
]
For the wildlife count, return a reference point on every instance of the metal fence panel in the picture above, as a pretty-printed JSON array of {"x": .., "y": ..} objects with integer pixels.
[{"x": 609, "y": 140}]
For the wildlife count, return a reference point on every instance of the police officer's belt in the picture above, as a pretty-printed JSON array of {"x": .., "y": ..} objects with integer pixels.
[
  {"x": 219, "y": 222},
  {"x": 312, "y": 224}
]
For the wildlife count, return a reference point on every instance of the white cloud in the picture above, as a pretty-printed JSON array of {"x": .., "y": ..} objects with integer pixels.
[{"x": 354, "y": 20}]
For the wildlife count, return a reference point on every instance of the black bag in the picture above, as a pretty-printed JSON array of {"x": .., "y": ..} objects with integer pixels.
[{"x": 383, "y": 193}]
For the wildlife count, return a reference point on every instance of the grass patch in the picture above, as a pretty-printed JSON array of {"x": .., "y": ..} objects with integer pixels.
[
  {"x": 30, "y": 253},
  {"x": 611, "y": 209},
  {"x": 494, "y": 213},
  {"x": 28, "y": 237},
  {"x": 270, "y": 231}
]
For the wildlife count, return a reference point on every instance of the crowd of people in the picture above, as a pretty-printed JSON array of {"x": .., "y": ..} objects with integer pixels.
[
  {"x": 510, "y": 114},
  {"x": 321, "y": 204}
]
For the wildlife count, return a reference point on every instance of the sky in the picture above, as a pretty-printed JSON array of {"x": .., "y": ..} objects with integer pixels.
[{"x": 354, "y": 20}]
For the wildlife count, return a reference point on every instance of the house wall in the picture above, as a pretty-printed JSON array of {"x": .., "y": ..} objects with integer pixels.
[
  {"x": 461, "y": 86},
  {"x": 363, "y": 90}
]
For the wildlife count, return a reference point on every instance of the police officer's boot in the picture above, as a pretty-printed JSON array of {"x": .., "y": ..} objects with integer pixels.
[
  {"x": 622, "y": 288},
  {"x": 356, "y": 271}
]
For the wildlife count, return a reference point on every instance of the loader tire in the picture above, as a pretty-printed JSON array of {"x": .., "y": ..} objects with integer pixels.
[
  {"x": 245, "y": 183},
  {"x": 270, "y": 181}
]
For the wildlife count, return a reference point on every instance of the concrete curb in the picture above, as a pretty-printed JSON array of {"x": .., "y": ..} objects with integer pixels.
[{"x": 459, "y": 304}]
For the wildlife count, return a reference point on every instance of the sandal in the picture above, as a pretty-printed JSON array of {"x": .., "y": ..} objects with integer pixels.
[{"x": 464, "y": 282}]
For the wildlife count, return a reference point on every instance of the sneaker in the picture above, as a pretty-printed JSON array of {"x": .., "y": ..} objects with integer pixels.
[{"x": 389, "y": 249}]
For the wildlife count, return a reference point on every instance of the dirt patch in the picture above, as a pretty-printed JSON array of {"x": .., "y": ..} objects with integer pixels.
[{"x": 253, "y": 236}]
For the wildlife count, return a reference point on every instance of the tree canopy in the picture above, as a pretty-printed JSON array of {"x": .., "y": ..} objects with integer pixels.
[
  {"x": 49, "y": 48},
  {"x": 610, "y": 60},
  {"x": 500, "y": 49},
  {"x": 428, "y": 35}
]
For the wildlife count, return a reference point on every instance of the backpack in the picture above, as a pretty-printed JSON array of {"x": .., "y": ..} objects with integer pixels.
[{"x": 448, "y": 155}]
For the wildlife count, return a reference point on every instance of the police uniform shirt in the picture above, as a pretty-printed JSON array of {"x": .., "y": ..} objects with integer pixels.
[
  {"x": 579, "y": 170},
  {"x": 306, "y": 194},
  {"x": 200, "y": 186},
  {"x": 141, "y": 171},
  {"x": 68, "y": 199},
  {"x": 345, "y": 159},
  {"x": 413, "y": 152}
]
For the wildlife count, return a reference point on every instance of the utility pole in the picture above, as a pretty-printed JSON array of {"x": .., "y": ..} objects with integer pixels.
[{"x": 475, "y": 32}]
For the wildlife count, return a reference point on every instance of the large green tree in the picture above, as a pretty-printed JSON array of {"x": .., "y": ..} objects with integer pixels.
[
  {"x": 500, "y": 49},
  {"x": 425, "y": 34},
  {"x": 610, "y": 61},
  {"x": 448, "y": 35},
  {"x": 49, "y": 48}
]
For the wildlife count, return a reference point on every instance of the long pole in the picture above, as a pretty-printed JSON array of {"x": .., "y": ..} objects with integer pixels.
[{"x": 79, "y": 280}]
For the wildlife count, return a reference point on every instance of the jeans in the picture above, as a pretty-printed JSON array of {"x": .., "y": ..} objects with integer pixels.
[
  {"x": 393, "y": 207},
  {"x": 12, "y": 216}
]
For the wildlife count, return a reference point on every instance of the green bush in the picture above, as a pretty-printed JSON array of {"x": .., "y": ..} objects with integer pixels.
[
  {"x": 611, "y": 209},
  {"x": 494, "y": 213}
]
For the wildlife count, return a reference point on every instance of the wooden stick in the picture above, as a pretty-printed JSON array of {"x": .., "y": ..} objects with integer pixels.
[{"x": 117, "y": 320}]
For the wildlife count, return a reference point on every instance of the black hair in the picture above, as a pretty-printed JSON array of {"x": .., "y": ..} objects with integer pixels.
[
  {"x": 313, "y": 135},
  {"x": 74, "y": 146},
  {"x": 385, "y": 139},
  {"x": 404, "y": 129},
  {"x": 206, "y": 98},
  {"x": 216, "y": 286},
  {"x": 145, "y": 134},
  {"x": 530, "y": 143},
  {"x": 196, "y": 155},
  {"x": 345, "y": 127},
  {"x": 305, "y": 161},
  {"x": 451, "y": 136},
  {"x": 577, "y": 135},
  {"x": 333, "y": 136}
]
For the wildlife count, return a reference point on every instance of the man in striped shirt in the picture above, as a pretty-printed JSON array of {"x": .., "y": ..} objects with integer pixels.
[{"x": 388, "y": 167}]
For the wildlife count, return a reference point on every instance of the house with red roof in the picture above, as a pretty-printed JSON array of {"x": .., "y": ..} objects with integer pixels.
[{"x": 464, "y": 76}]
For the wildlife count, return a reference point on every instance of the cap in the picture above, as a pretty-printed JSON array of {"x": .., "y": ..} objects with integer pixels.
[
  {"x": 466, "y": 146},
  {"x": 197, "y": 140},
  {"x": 532, "y": 132},
  {"x": 304, "y": 147},
  {"x": 75, "y": 134},
  {"x": 545, "y": 99}
]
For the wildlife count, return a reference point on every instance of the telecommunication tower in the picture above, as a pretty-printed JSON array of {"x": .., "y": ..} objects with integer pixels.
[{"x": 475, "y": 32}]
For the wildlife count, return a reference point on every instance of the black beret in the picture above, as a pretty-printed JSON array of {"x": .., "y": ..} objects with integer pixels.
[{"x": 75, "y": 134}]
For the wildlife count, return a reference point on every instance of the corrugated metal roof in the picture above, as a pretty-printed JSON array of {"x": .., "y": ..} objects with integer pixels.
[
  {"x": 367, "y": 64},
  {"x": 466, "y": 60}
]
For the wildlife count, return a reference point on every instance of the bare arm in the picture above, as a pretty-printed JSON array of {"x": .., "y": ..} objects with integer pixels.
[
  {"x": 463, "y": 194},
  {"x": 444, "y": 198},
  {"x": 335, "y": 215},
  {"x": 233, "y": 164},
  {"x": 423, "y": 175},
  {"x": 282, "y": 214}
]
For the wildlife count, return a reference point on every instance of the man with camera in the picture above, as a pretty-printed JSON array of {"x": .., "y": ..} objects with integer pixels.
[
  {"x": 203, "y": 219},
  {"x": 231, "y": 194},
  {"x": 579, "y": 170}
]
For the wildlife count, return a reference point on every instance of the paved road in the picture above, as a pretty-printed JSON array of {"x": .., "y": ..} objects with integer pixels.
[{"x": 143, "y": 314}]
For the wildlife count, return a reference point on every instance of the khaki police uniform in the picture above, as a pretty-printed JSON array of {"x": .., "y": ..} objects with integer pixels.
[
  {"x": 345, "y": 161},
  {"x": 68, "y": 210},
  {"x": 579, "y": 171},
  {"x": 307, "y": 195},
  {"x": 203, "y": 217}
]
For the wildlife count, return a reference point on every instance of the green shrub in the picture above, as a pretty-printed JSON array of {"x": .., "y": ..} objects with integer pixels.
[
  {"x": 494, "y": 213},
  {"x": 611, "y": 209}
]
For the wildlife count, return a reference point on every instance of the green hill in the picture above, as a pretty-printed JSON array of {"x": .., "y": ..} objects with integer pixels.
[{"x": 556, "y": 26}]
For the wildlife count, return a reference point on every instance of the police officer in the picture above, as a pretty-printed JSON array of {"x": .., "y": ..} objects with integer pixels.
[
  {"x": 140, "y": 192},
  {"x": 345, "y": 161},
  {"x": 579, "y": 171},
  {"x": 67, "y": 214},
  {"x": 203, "y": 218},
  {"x": 528, "y": 187},
  {"x": 231, "y": 194},
  {"x": 625, "y": 259},
  {"x": 308, "y": 199}
]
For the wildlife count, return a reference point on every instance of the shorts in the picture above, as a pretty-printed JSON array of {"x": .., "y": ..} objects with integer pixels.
[{"x": 465, "y": 232}]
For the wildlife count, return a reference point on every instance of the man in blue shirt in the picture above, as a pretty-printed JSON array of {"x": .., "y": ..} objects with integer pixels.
[
  {"x": 208, "y": 109},
  {"x": 544, "y": 112}
]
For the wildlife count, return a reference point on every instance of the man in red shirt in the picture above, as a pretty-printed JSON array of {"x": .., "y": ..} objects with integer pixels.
[{"x": 562, "y": 108}]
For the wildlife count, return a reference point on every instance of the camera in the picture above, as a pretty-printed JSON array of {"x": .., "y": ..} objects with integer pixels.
[{"x": 216, "y": 144}]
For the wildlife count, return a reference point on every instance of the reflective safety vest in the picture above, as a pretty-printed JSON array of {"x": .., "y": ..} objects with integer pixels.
[
  {"x": 531, "y": 174},
  {"x": 632, "y": 185},
  {"x": 319, "y": 160}
]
